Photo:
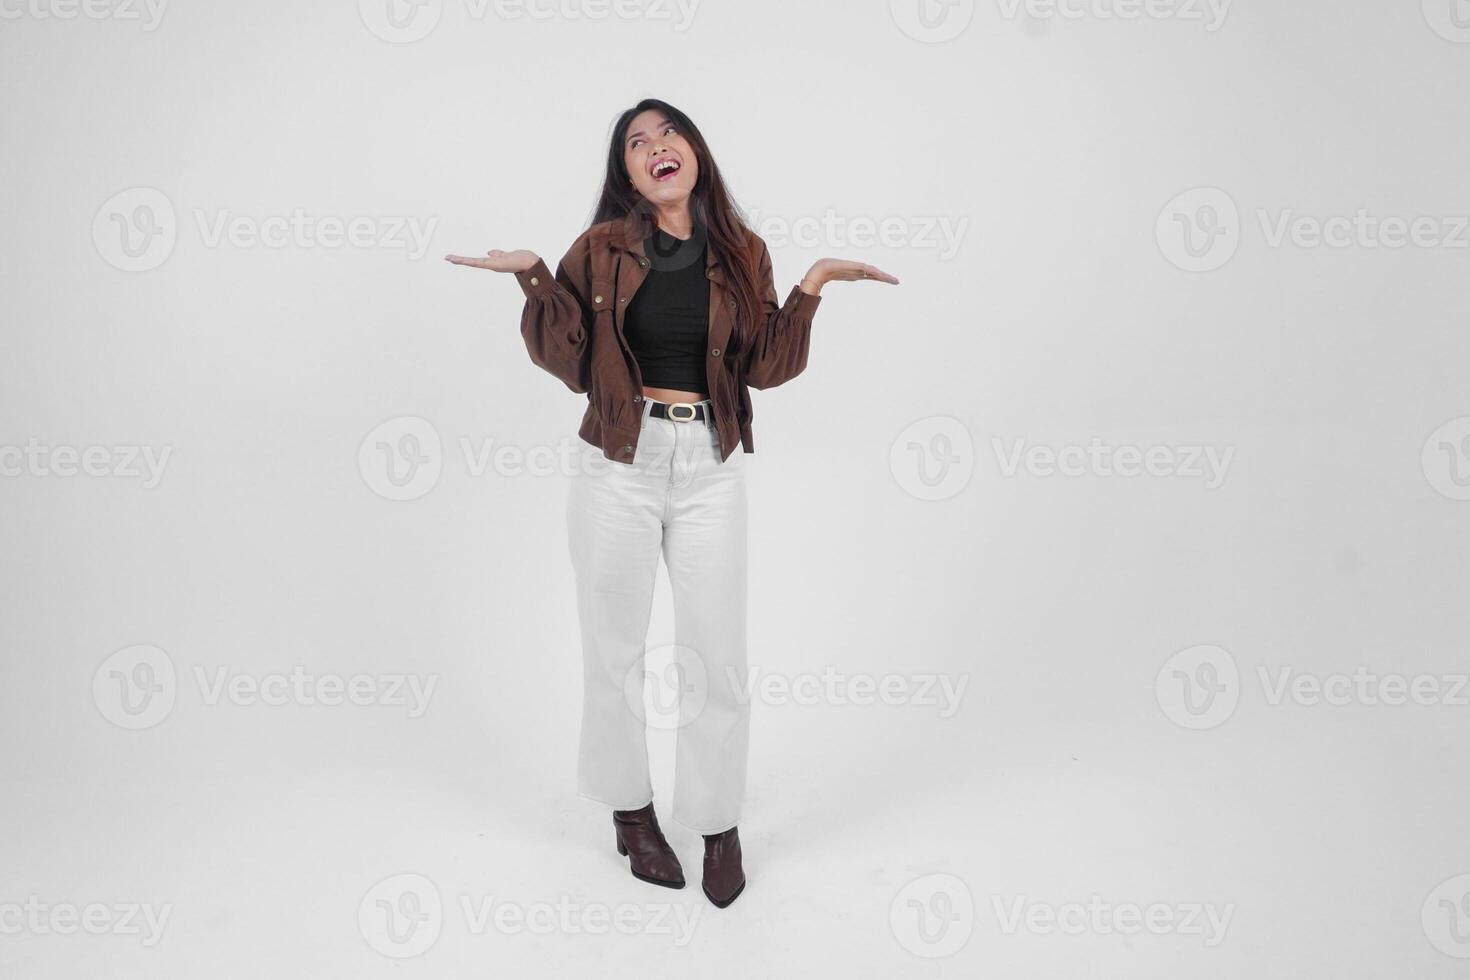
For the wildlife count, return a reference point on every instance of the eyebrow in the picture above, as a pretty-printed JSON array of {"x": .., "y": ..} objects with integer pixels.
[{"x": 642, "y": 133}]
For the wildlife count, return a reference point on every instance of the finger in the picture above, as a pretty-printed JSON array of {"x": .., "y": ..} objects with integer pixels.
[
  {"x": 877, "y": 274},
  {"x": 466, "y": 260}
]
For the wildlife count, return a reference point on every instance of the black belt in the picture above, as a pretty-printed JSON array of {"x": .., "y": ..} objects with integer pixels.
[{"x": 679, "y": 411}]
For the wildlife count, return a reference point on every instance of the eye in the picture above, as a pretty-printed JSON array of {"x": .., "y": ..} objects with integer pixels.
[
  {"x": 670, "y": 128},
  {"x": 633, "y": 145}
]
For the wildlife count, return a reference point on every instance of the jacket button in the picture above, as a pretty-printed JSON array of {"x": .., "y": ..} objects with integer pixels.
[
  {"x": 622, "y": 299},
  {"x": 597, "y": 299},
  {"x": 627, "y": 449},
  {"x": 715, "y": 352},
  {"x": 637, "y": 398},
  {"x": 643, "y": 263},
  {"x": 732, "y": 304},
  {"x": 535, "y": 281}
]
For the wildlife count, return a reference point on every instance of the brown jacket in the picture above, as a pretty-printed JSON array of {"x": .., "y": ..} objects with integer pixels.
[{"x": 573, "y": 327}]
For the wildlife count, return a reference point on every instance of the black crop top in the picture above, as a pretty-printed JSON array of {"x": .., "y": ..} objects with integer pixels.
[{"x": 667, "y": 323}]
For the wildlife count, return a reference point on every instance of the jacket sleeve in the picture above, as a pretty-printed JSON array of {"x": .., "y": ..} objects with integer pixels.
[
  {"x": 783, "y": 332},
  {"x": 556, "y": 321}
]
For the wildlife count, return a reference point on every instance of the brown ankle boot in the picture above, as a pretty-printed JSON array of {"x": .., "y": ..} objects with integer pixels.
[
  {"x": 650, "y": 857},
  {"x": 724, "y": 876}
]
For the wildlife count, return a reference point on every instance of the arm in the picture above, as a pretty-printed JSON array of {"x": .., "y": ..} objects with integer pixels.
[
  {"x": 783, "y": 331},
  {"x": 556, "y": 320}
]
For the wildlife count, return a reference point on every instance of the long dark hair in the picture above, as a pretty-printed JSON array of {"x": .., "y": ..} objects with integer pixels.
[{"x": 728, "y": 236}]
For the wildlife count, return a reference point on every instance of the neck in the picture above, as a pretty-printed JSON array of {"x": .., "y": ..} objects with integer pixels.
[{"x": 676, "y": 219}]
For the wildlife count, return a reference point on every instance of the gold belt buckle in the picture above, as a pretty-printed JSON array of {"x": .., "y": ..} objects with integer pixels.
[{"x": 681, "y": 418}]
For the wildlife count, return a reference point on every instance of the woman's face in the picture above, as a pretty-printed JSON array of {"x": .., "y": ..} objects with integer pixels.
[{"x": 660, "y": 160}]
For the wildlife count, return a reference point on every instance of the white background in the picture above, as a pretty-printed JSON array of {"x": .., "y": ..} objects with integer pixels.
[{"x": 1334, "y": 540}]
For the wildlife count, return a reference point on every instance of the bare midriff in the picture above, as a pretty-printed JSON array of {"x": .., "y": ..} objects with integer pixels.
[{"x": 673, "y": 395}]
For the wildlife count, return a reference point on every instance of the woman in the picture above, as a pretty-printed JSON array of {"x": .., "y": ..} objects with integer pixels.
[{"x": 663, "y": 313}]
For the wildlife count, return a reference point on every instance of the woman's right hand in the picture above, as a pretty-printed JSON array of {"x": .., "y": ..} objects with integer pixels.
[{"x": 497, "y": 261}]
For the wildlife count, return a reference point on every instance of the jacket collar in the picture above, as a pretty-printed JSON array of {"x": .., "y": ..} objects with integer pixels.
[{"x": 621, "y": 236}]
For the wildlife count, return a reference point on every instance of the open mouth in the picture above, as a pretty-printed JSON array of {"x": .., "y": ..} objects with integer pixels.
[{"x": 665, "y": 169}]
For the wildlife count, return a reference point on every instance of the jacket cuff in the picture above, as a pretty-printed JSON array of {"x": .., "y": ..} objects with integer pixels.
[
  {"x": 537, "y": 280},
  {"x": 805, "y": 303}
]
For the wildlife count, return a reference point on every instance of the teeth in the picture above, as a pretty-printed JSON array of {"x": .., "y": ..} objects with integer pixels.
[{"x": 663, "y": 167}]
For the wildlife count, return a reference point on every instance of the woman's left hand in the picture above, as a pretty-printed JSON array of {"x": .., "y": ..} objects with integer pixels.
[{"x": 844, "y": 270}]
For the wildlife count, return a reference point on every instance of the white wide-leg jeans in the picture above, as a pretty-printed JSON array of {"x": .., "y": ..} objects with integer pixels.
[{"x": 676, "y": 499}]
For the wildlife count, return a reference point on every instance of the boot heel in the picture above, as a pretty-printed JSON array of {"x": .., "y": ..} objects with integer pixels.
[{"x": 621, "y": 848}]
